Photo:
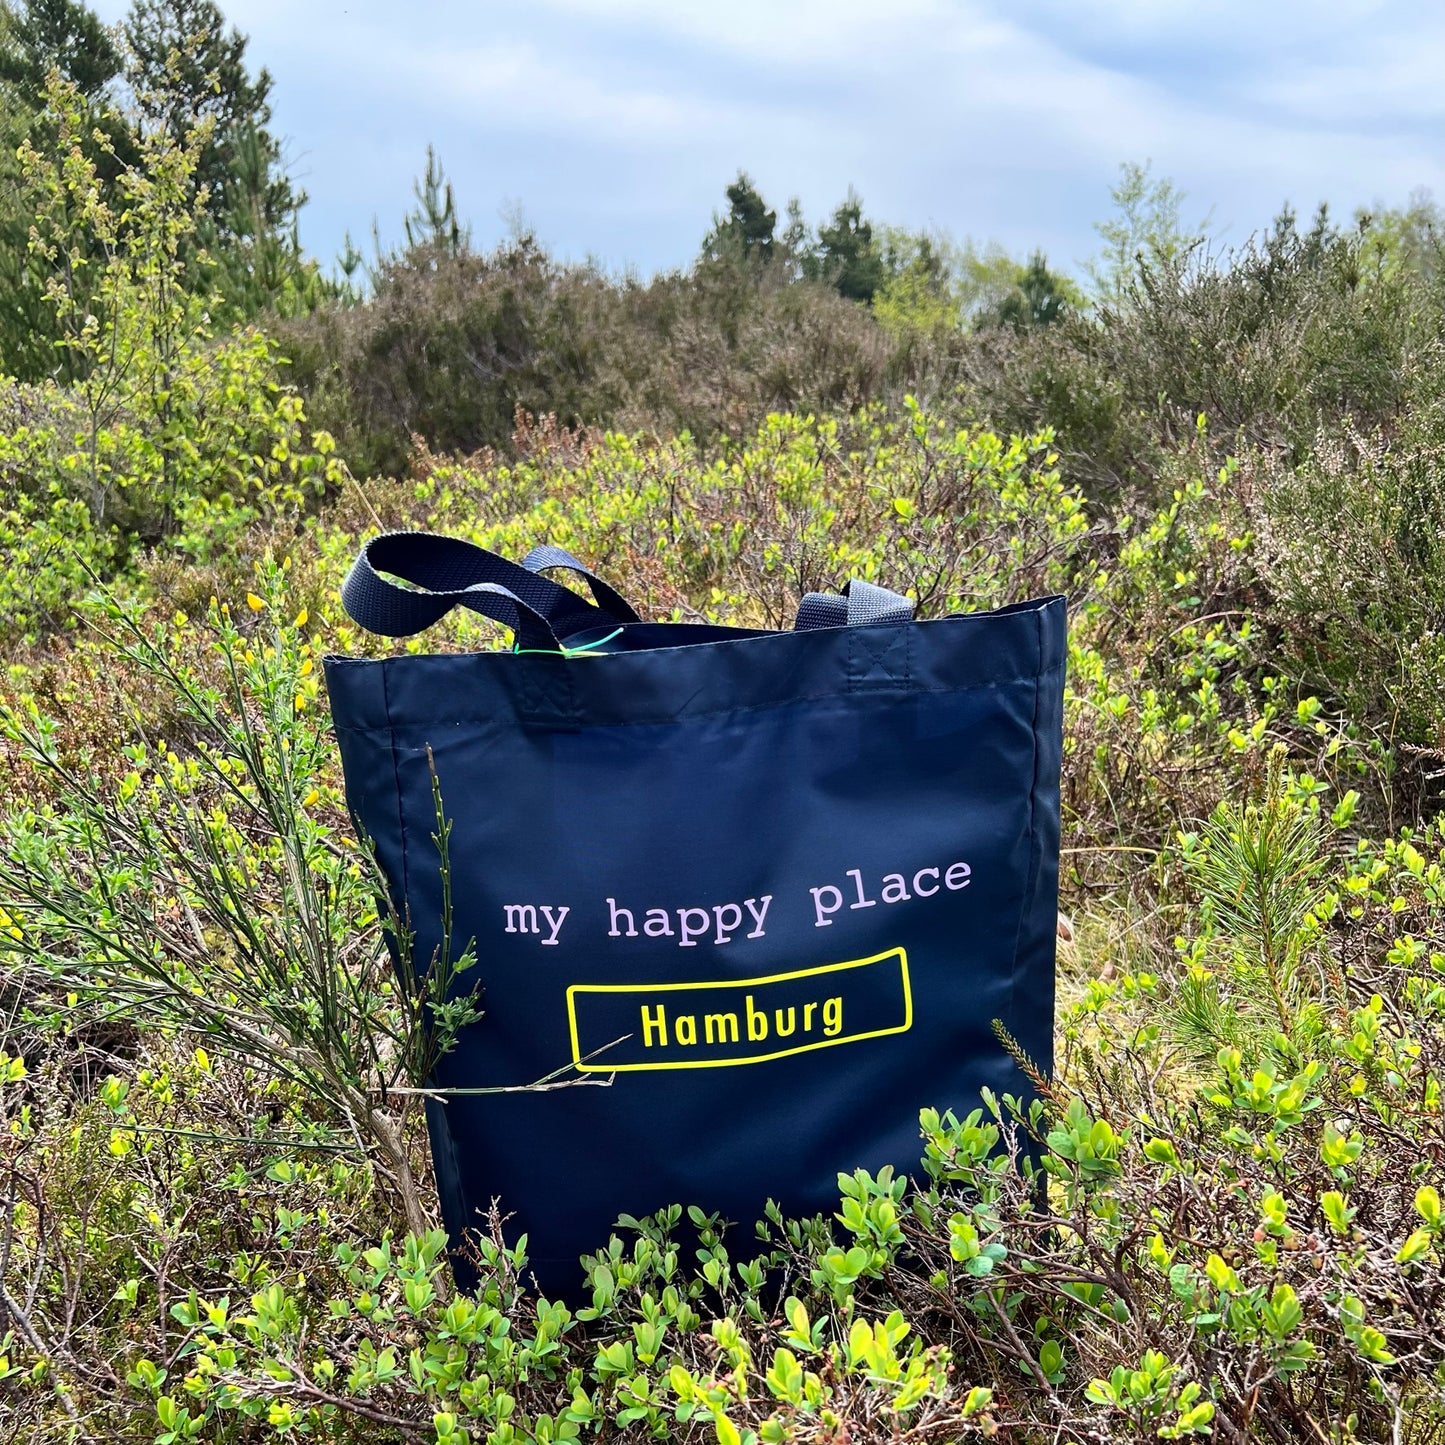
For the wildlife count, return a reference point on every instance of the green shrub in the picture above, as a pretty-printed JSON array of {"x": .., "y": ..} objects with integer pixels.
[
  {"x": 166, "y": 432},
  {"x": 199, "y": 890}
]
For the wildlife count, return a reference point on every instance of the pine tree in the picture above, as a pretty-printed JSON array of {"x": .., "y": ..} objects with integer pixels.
[
  {"x": 185, "y": 66},
  {"x": 847, "y": 255},
  {"x": 747, "y": 232},
  {"x": 795, "y": 245},
  {"x": 44, "y": 35},
  {"x": 434, "y": 221},
  {"x": 1039, "y": 299}
]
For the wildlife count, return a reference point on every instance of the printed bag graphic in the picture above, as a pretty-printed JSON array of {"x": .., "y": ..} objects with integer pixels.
[{"x": 774, "y": 886}]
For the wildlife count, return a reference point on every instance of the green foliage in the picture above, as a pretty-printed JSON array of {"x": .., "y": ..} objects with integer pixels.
[
  {"x": 1144, "y": 234},
  {"x": 1223, "y": 1221},
  {"x": 49, "y": 552},
  {"x": 35, "y": 40},
  {"x": 187, "y": 71},
  {"x": 1039, "y": 298},
  {"x": 165, "y": 430},
  {"x": 1293, "y": 328},
  {"x": 201, "y": 893},
  {"x": 935, "y": 287},
  {"x": 847, "y": 255},
  {"x": 1363, "y": 620},
  {"x": 1405, "y": 240},
  {"x": 1300, "y": 324},
  {"x": 38, "y": 36},
  {"x": 919, "y": 301},
  {"x": 1262, "y": 1211},
  {"x": 1257, "y": 867},
  {"x": 116, "y": 276},
  {"x": 434, "y": 223},
  {"x": 960, "y": 519},
  {"x": 746, "y": 232},
  {"x": 188, "y": 74},
  {"x": 185, "y": 77}
]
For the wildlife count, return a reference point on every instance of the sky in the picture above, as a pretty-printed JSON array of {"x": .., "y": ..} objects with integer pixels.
[{"x": 612, "y": 127}]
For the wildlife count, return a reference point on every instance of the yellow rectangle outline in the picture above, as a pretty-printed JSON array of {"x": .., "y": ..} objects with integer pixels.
[{"x": 604, "y": 1068}]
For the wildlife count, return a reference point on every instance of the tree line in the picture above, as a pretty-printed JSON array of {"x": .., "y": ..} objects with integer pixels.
[{"x": 443, "y": 339}]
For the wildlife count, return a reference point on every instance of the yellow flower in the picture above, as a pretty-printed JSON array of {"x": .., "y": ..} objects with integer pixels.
[
  {"x": 311, "y": 798},
  {"x": 254, "y": 602},
  {"x": 301, "y": 618}
]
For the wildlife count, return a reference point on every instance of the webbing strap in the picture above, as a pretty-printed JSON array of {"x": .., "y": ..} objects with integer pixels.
[
  {"x": 447, "y": 572},
  {"x": 544, "y": 558},
  {"x": 859, "y": 604}
]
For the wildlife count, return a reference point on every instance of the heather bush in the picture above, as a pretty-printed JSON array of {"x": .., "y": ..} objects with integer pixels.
[
  {"x": 1270, "y": 339},
  {"x": 1293, "y": 329},
  {"x": 1352, "y": 546},
  {"x": 453, "y": 343}
]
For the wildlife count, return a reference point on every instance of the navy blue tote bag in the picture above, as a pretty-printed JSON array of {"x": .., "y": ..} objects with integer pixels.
[{"x": 774, "y": 886}]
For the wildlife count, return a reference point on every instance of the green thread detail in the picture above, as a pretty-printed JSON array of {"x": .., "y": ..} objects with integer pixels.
[{"x": 584, "y": 651}]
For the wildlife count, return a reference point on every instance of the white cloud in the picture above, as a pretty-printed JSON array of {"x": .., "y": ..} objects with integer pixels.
[
  {"x": 618, "y": 122},
  {"x": 812, "y": 34},
  {"x": 518, "y": 84}
]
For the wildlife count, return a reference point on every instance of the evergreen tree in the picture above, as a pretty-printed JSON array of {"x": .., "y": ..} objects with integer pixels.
[
  {"x": 746, "y": 233},
  {"x": 750, "y": 224},
  {"x": 353, "y": 271},
  {"x": 1039, "y": 299},
  {"x": 434, "y": 221},
  {"x": 795, "y": 245},
  {"x": 750, "y": 219},
  {"x": 847, "y": 255},
  {"x": 44, "y": 35}
]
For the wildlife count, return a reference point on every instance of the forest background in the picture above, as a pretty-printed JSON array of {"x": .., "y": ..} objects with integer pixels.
[{"x": 218, "y": 1221}]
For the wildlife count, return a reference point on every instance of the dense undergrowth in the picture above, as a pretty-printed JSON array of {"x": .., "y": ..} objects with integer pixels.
[{"x": 217, "y": 1221}]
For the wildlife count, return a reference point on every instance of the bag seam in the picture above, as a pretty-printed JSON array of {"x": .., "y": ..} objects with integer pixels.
[{"x": 1031, "y": 882}]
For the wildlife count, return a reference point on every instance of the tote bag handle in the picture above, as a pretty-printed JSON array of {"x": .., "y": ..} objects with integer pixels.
[
  {"x": 609, "y": 600},
  {"x": 449, "y": 572},
  {"x": 859, "y": 604}
]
